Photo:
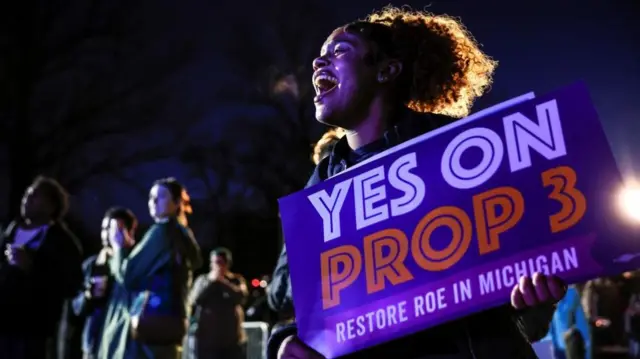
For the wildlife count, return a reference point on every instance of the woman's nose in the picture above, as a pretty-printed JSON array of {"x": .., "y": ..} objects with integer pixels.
[{"x": 319, "y": 62}]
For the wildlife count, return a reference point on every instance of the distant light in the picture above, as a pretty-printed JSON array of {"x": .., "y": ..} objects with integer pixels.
[
  {"x": 255, "y": 283},
  {"x": 630, "y": 202},
  {"x": 263, "y": 283}
]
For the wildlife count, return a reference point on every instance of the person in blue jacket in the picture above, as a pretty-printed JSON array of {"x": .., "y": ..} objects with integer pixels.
[{"x": 569, "y": 323}]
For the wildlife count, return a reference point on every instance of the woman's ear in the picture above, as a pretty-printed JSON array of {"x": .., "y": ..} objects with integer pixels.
[{"x": 389, "y": 70}]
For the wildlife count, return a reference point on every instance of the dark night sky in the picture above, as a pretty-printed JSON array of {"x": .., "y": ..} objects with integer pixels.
[{"x": 109, "y": 95}]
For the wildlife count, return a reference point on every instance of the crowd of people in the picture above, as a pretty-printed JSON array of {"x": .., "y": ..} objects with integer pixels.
[
  {"x": 598, "y": 319},
  {"x": 134, "y": 299},
  {"x": 380, "y": 81}
]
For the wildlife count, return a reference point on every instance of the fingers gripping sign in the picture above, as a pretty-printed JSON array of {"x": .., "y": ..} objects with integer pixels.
[{"x": 536, "y": 290}]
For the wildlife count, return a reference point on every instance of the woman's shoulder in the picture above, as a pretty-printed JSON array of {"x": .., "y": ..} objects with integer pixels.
[
  {"x": 187, "y": 245},
  {"x": 185, "y": 230},
  {"x": 171, "y": 226},
  {"x": 174, "y": 225}
]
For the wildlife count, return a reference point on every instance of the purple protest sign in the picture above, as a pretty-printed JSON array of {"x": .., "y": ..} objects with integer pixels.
[{"x": 443, "y": 226}]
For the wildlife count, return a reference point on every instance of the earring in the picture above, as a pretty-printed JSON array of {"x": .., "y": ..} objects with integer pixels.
[{"x": 382, "y": 78}]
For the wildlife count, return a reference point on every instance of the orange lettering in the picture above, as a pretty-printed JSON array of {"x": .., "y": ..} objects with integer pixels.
[
  {"x": 378, "y": 266},
  {"x": 574, "y": 204},
  {"x": 421, "y": 249},
  {"x": 489, "y": 225},
  {"x": 333, "y": 279}
]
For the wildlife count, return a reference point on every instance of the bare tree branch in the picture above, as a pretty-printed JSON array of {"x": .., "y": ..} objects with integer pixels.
[
  {"x": 149, "y": 81},
  {"x": 141, "y": 189},
  {"x": 110, "y": 165}
]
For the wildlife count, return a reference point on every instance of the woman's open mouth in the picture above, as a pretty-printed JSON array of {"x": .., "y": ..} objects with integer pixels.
[{"x": 324, "y": 83}]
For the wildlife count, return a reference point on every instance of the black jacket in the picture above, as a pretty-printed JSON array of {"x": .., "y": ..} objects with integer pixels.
[
  {"x": 31, "y": 303},
  {"x": 93, "y": 310},
  {"x": 279, "y": 290},
  {"x": 493, "y": 334}
]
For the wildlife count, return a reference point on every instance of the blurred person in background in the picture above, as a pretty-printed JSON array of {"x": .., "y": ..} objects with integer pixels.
[
  {"x": 216, "y": 299},
  {"x": 388, "y": 79},
  {"x": 324, "y": 146},
  {"x": 257, "y": 306},
  {"x": 279, "y": 290},
  {"x": 569, "y": 331},
  {"x": 146, "y": 315},
  {"x": 632, "y": 314},
  {"x": 185, "y": 209},
  {"x": 40, "y": 269},
  {"x": 604, "y": 306},
  {"x": 91, "y": 301}
]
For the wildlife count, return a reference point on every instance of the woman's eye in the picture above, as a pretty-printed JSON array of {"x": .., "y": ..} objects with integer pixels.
[{"x": 339, "y": 50}]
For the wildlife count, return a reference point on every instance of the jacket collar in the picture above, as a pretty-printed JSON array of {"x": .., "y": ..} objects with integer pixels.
[{"x": 410, "y": 124}]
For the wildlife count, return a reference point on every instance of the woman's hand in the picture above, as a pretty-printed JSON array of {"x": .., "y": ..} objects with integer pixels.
[
  {"x": 98, "y": 287},
  {"x": 293, "y": 348},
  {"x": 119, "y": 237},
  {"x": 18, "y": 256},
  {"x": 540, "y": 289}
]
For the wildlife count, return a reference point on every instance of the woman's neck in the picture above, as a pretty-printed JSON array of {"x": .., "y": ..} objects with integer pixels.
[
  {"x": 161, "y": 219},
  {"x": 372, "y": 127}
]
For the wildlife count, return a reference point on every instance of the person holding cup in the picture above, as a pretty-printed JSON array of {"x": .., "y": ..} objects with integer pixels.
[
  {"x": 118, "y": 225},
  {"x": 40, "y": 269}
]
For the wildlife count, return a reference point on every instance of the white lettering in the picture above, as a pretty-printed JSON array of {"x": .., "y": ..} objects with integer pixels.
[
  {"x": 412, "y": 186},
  {"x": 429, "y": 302},
  {"x": 549, "y": 263},
  {"x": 329, "y": 207},
  {"x": 570, "y": 257},
  {"x": 402, "y": 310},
  {"x": 366, "y": 196},
  {"x": 361, "y": 328},
  {"x": 488, "y": 142},
  {"x": 541, "y": 264},
  {"x": 486, "y": 283},
  {"x": 545, "y": 137},
  {"x": 366, "y": 323},
  {"x": 340, "y": 332},
  {"x": 507, "y": 277}
]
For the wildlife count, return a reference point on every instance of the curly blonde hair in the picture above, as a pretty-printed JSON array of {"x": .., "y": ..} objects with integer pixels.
[
  {"x": 324, "y": 146},
  {"x": 185, "y": 208},
  {"x": 444, "y": 70}
]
